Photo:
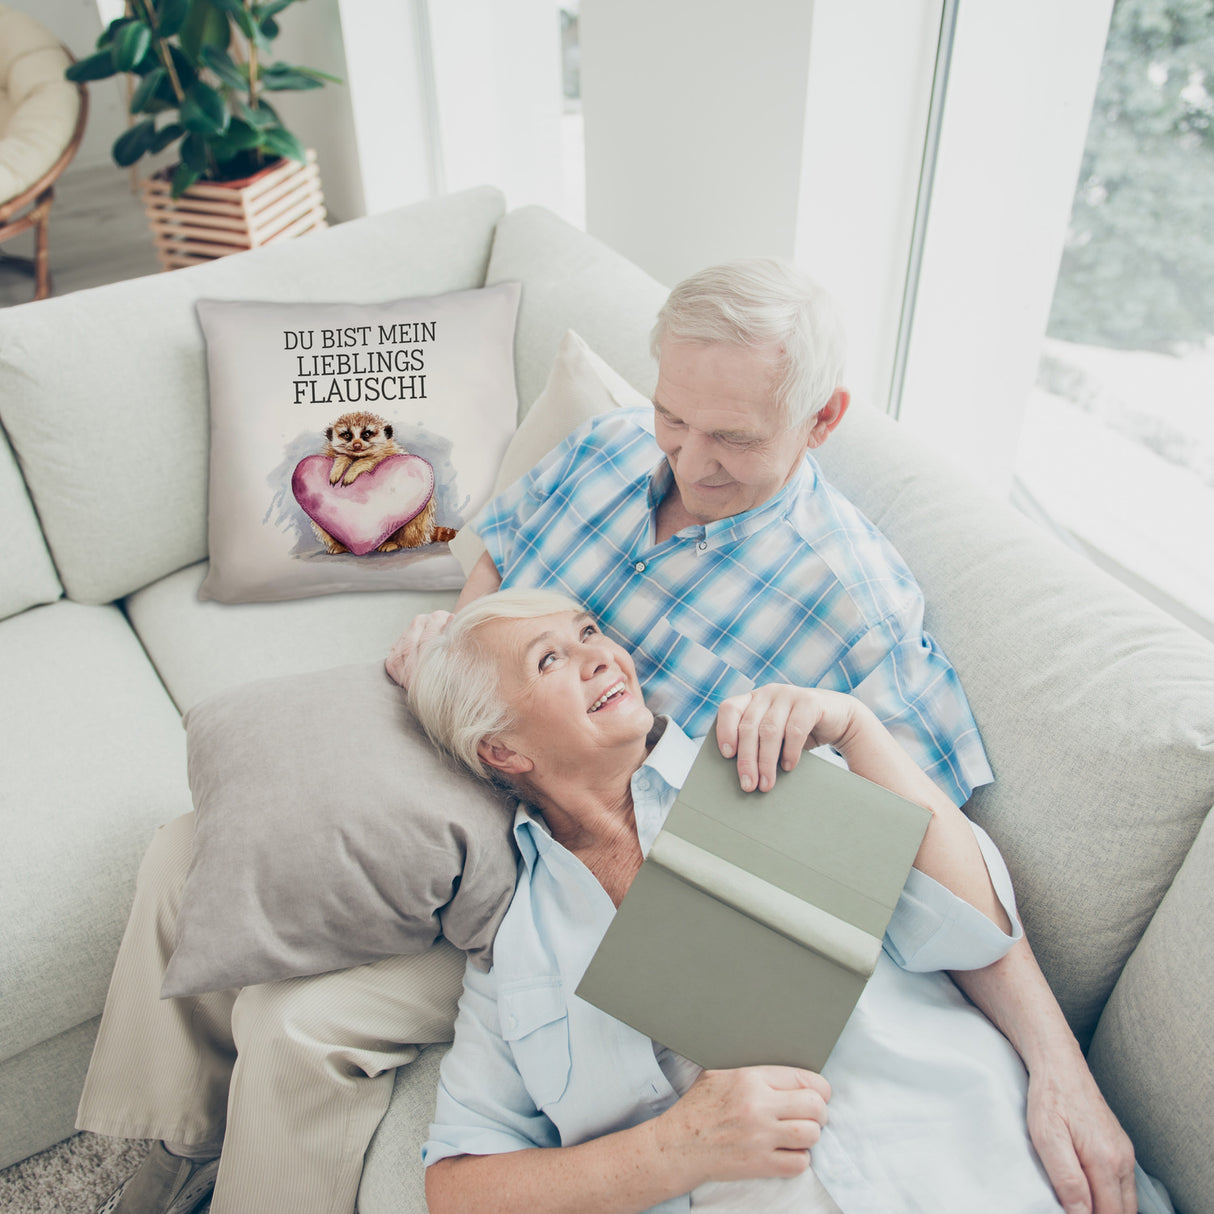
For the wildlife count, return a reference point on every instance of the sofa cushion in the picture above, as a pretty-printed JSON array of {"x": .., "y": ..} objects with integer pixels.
[
  {"x": 93, "y": 760},
  {"x": 1152, "y": 1054},
  {"x": 27, "y": 573},
  {"x": 421, "y": 389},
  {"x": 328, "y": 833},
  {"x": 572, "y": 281},
  {"x": 1097, "y": 711},
  {"x": 200, "y": 648},
  {"x": 124, "y": 501}
]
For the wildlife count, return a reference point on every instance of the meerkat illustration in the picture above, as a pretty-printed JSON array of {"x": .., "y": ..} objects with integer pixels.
[{"x": 358, "y": 443}]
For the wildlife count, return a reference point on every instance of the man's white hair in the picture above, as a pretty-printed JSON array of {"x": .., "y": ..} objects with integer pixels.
[
  {"x": 763, "y": 303},
  {"x": 455, "y": 692}
]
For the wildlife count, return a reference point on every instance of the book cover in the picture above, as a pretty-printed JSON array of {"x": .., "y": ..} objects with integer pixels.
[{"x": 755, "y": 921}]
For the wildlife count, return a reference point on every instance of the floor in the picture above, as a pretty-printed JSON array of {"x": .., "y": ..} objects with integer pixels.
[{"x": 98, "y": 234}]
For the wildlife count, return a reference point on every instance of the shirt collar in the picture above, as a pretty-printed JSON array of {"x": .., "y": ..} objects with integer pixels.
[
  {"x": 655, "y": 785},
  {"x": 737, "y": 526}
]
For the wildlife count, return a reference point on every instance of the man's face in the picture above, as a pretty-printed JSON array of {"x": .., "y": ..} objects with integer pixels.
[{"x": 717, "y": 421}]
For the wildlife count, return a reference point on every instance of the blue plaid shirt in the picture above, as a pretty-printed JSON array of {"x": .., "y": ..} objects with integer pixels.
[{"x": 802, "y": 589}]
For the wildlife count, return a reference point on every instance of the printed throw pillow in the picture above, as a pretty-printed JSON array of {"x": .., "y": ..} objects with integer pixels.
[
  {"x": 350, "y": 443},
  {"x": 308, "y": 860}
]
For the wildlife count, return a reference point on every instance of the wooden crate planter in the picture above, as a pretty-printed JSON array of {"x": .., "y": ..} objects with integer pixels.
[{"x": 215, "y": 218}]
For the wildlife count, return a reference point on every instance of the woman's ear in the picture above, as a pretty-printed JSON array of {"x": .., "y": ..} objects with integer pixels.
[{"x": 494, "y": 753}]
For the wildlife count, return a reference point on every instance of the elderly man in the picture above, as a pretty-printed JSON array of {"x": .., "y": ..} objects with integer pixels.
[{"x": 704, "y": 538}]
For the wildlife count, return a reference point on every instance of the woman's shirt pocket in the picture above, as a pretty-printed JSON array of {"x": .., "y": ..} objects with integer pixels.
[{"x": 535, "y": 1025}]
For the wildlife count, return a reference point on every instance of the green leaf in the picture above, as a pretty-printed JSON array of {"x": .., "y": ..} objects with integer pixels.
[
  {"x": 262, "y": 118},
  {"x": 205, "y": 26},
  {"x": 240, "y": 137},
  {"x": 171, "y": 16},
  {"x": 183, "y": 178},
  {"x": 166, "y": 135},
  {"x": 130, "y": 45},
  {"x": 194, "y": 153},
  {"x": 187, "y": 73},
  {"x": 203, "y": 111},
  {"x": 317, "y": 74},
  {"x": 280, "y": 77},
  {"x": 269, "y": 30},
  {"x": 144, "y": 97},
  {"x": 225, "y": 67},
  {"x": 281, "y": 142},
  {"x": 95, "y": 67},
  {"x": 132, "y": 144},
  {"x": 272, "y": 9},
  {"x": 106, "y": 38}
]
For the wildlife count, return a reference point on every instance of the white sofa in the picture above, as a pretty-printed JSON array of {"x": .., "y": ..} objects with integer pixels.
[{"x": 1097, "y": 711}]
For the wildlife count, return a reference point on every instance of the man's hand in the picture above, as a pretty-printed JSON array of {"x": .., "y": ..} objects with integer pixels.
[
  {"x": 401, "y": 660},
  {"x": 769, "y": 727},
  {"x": 1087, "y": 1155}
]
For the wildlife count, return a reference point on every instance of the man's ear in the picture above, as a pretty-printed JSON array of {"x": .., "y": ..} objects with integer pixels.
[
  {"x": 501, "y": 758},
  {"x": 829, "y": 416}
]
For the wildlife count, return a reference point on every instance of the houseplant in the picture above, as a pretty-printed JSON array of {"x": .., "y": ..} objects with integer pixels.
[{"x": 201, "y": 71}]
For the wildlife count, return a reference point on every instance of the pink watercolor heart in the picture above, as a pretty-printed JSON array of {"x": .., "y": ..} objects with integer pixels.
[{"x": 363, "y": 514}]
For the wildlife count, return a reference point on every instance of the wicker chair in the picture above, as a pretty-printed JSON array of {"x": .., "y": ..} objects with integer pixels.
[{"x": 42, "y": 118}]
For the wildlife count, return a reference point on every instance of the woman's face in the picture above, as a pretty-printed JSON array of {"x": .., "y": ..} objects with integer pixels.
[{"x": 574, "y": 693}]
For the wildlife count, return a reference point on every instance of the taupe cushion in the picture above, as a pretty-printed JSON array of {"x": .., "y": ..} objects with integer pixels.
[
  {"x": 1095, "y": 708},
  {"x": 121, "y": 370},
  {"x": 329, "y": 832}
]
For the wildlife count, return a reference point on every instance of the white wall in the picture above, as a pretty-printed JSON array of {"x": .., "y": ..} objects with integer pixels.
[{"x": 694, "y": 127}]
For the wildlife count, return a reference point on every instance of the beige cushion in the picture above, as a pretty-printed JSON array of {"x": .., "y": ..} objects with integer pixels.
[
  {"x": 1096, "y": 709},
  {"x": 1153, "y": 1053},
  {"x": 38, "y": 109},
  {"x": 580, "y": 385},
  {"x": 92, "y": 761},
  {"x": 124, "y": 503}
]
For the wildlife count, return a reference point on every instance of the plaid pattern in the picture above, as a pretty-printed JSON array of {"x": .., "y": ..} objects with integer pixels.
[{"x": 803, "y": 589}]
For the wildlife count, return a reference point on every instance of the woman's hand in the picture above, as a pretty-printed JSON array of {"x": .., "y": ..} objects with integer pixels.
[
  {"x": 770, "y": 727},
  {"x": 402, "y": 659},
  {"x": 750, "y": 1122}
]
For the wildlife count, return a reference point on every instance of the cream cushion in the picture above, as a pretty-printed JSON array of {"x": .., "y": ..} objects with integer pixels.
[{"x": 38, "y": 106}]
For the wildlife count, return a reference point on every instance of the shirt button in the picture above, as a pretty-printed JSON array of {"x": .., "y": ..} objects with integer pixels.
[
  {"x": 702, "y": 545},
  {"x": 639, "y": 566}
]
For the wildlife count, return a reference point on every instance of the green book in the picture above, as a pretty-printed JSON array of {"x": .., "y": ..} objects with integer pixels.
[{"x": 755, "y": 921}]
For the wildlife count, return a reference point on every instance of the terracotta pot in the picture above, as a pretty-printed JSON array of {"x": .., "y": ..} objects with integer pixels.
[{"x": 215, "y": 218}]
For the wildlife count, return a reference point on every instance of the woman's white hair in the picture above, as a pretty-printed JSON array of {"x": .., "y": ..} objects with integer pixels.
[
  {"x": 763, "y": 303},
  {"x": 454, "y": 691}
]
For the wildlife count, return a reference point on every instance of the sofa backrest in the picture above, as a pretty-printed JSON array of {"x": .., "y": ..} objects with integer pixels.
[
  {"x": 27, "y": 574},
  {"x": 103, "y": 393}
]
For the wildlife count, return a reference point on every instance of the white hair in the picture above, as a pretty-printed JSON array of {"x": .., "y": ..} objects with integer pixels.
[
  {"x": 454, "y": 691},
  {"x": 763, "y": 303}
]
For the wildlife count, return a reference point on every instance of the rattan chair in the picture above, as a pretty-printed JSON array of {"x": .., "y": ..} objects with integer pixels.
[{"x": 42, "y": 117}]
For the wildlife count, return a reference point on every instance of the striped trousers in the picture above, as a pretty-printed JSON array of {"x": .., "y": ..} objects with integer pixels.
[{"x": 292, "y": 1076}]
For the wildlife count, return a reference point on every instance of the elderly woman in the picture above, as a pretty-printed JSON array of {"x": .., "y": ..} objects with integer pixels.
[{"x": 547, "y": 1103}]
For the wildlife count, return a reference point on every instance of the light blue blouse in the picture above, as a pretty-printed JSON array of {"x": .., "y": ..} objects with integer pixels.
[{"x": 928, "y": 1104}]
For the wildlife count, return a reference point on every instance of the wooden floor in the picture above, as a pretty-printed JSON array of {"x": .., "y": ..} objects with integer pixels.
[{"x": 98, "y": 234}]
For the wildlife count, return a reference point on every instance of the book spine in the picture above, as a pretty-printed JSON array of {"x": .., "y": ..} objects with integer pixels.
[{"x": 775, "y": 908}]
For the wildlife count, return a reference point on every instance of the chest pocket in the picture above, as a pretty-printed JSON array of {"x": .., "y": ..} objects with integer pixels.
[
  {"x": 535, "y": 1024},
  {"x": 685, "y": 679}
]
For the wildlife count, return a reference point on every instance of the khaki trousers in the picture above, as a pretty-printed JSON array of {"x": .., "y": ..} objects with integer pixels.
[{"x": 293, "y": 1076}]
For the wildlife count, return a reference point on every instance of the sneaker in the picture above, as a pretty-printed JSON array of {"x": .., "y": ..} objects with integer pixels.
[{"x": 164, "y": 1184}]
